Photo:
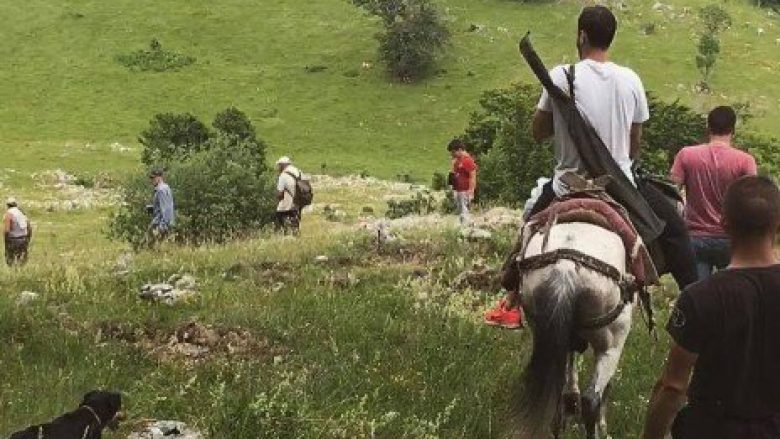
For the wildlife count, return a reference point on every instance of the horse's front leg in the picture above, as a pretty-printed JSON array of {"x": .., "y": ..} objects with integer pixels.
[{"x": 607, "y": 359}]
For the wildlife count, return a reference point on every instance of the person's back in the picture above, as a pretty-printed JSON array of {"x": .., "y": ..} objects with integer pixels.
[
  {"x": 611, "y": 98},
  {"x": 724, "y": 354},
  {"x": 18, "y": 223},
  {"x": 731, "y": 321},
  {"x": 706, "y": 172}
]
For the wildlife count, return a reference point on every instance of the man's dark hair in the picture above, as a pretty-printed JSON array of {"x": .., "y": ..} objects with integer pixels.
[
  {"x": 599, "y": 24},
  {"x": 456, "y": 144},
  {"x": 751, "y": 208},
  {"x": 722, "y": 120}
]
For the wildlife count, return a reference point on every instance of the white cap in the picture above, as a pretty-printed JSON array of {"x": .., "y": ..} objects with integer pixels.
[
  {"x": 284, "y": 161},
  {"x": 11, "y": 201}
]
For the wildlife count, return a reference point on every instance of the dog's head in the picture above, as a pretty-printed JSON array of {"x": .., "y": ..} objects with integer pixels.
[{"x": 107, "y": 406}]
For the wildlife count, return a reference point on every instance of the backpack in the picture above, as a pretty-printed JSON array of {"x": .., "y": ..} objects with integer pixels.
[{"x": 303, "y": 195}]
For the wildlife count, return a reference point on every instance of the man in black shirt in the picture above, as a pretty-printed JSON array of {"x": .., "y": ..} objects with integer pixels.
[{"x": 726, "y": 329}]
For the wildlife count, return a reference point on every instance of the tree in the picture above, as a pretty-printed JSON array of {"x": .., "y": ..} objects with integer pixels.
[{"x": 172, "y": 137}]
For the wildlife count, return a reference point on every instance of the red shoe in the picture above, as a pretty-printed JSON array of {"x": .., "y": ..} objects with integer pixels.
[{"x": 506, "y": 318}]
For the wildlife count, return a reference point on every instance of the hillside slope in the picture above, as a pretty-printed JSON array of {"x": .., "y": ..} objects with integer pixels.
[{"x": 61, "y": 87}]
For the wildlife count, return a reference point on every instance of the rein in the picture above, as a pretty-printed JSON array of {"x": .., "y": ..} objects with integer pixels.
[{"x": 626, "y": 282}]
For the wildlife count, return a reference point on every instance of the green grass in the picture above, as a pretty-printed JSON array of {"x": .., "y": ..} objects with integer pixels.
[
  {"x": 62, "y": 86},
  {"x": 375, "y": 355}
]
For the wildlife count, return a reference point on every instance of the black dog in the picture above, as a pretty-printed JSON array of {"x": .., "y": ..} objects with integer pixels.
[{"x": 98, "y": 410}]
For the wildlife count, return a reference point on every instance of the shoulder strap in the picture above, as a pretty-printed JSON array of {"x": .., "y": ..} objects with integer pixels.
[
  {"x": 296, "y": 177},
  {"x": 570, "y": 79}
]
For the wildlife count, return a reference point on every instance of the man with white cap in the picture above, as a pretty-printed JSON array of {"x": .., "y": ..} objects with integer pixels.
[
  {"x": 288, "y": 215},
  {"x": 17, "y": 232}
]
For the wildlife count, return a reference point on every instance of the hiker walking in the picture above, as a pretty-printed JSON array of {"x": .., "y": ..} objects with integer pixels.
[
  {"x": 463, "y": 179},
  {"x": 705, "y": 172},
  {"x": 162, "y": 208},
  {"x": 17, "y": 232},
  {"x": 724, "y": 353},
  {"x": 291, "y": 194}
]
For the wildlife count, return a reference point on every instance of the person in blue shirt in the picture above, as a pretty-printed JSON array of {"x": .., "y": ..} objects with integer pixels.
[{"x": 162, "y": 207}]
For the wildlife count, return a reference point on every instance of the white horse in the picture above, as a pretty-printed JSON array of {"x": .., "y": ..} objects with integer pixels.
[{"x": 570, "y": 301}]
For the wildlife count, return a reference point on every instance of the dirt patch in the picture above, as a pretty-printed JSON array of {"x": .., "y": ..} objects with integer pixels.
[{"x": 192, "y": 342}]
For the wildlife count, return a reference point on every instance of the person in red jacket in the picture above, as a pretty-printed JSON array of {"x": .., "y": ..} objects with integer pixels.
[{"x": 464, "y": 178}]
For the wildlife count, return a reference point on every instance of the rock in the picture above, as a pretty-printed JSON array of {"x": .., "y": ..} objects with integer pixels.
[
  {"x": 321, "y": 259},
  {"x": 186, "y": 282},
  {"x": 476, "y": 234},
  {"x": 165, "y": 293},
  {"x": 479, "y": 278},
  {"x": 760, "y": 31},
  {"x": 166, "y": 430},
  {"x": 26, "y": 298}
]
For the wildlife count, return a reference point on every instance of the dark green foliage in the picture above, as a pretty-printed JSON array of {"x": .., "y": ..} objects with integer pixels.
[
  {"x": 766, "y": 151},
  {"x": 714, "y": 18},
  {"x": 414, "y": 37},
  {"x": 172, "y": 137},
  {"x": 671, "y": 127},
  {"x": 155, "y": 59},
  {"x": 221, "y": 185},
  {"x": 439, "y": 181},
  {"x": 232, "y": 123},
  {"x": 499, "y": 135},
  {"x": 421, "y": 203}
]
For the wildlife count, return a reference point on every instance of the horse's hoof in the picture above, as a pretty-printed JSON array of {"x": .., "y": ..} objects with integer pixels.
[{"x": 571, "y": 403}]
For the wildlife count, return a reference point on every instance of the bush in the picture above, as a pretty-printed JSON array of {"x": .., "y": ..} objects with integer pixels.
[
  {"x": 671, "y": 127},
  {"x": 155, "y": 59},
  {"x": 171, "y": 137},
  {"x": 498, "y": 134},
  {"x": 234, "y": 124},
  {"x": 421, "y": 203},
  {"x": 414, "y": 36},
  {"x": 222, "y": 187}
]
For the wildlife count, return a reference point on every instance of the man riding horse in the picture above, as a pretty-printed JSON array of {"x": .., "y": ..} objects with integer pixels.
[{"x": 612, "y": 103}]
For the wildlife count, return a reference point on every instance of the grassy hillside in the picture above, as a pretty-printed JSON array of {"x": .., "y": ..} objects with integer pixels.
[
  {"x": 62, "y": 88},
  {"x": 373, "y": 342}
]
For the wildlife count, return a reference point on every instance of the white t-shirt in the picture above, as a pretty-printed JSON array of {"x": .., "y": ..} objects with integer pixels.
[
  {"x": 611, "y": 98},
  {"x": 286, "y": 184}
]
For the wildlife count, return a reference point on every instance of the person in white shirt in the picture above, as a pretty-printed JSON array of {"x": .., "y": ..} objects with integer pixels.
[
  {"x": 612, "y": 99},
  {"x": 17, "y": 232},
  {"x": 288, "y": 215}
]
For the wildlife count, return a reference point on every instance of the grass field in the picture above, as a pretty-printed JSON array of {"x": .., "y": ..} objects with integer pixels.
[
  {"x": 393, "y": 355},
  {"x": 62, "y": 88}
]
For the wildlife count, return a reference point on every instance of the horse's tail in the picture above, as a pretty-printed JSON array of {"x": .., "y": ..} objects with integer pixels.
[{"x": 545, "y": 375}]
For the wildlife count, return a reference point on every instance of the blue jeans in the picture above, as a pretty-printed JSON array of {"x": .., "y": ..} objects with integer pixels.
[{"x": 710, "y": 252}]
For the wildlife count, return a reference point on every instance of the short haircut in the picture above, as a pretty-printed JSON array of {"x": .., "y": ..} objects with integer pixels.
[
  {"x": 599, "y": 24},
  {"x": 751, "y": 208},
  {"x": 722, "y": 121},
  {"x": 456, "y": 144}
]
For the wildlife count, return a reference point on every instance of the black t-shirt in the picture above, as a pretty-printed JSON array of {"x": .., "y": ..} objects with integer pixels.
[{"x": 732, "y": 321}]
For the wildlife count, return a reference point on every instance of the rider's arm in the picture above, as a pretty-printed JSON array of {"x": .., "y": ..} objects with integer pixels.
[
  {"x": 542, "y": 127},
  {"x": 669, "y": 393},
  {"x": 636, "y": 140}
]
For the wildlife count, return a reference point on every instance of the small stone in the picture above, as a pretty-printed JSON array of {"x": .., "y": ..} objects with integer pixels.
[
  {"x": 321, "y": 259},
  {"x": 26, "y": 298},
  {"x": 475, "y": 233},
  {"x": 278, "y": 359}
]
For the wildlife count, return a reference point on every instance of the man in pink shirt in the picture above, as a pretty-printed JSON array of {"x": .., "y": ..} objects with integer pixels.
[{"x": 706, "y": 171}]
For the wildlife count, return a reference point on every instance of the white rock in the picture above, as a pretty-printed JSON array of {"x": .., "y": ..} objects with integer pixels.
[
  {"x": 166, "y": 430},
  {"x": 321, "y": 259},
  {"x": 26, "y": 298}
]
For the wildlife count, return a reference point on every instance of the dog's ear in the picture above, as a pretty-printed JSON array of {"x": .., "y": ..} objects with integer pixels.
[{"x": 89, "y": 398}]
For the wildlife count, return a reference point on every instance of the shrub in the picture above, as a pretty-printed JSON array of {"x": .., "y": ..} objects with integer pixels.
[
  {"x": 671, "y": 127},
  {"x": 172, "y": 137},
  {"x": 714, "y": 20},
  {"x": 233, "y": 124},
  {"x": 155, "y": 59},
  {"x": 221, "y": 184},
  {"x": 498, "y": 134},
  {"x": 421, "y": 203},
  {"x": 414, "y": 36},
  {"x": 220, "y": 192}
]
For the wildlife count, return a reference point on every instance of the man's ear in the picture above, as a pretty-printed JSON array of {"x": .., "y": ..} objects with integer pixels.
[{"x": 582, "y": 38}]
